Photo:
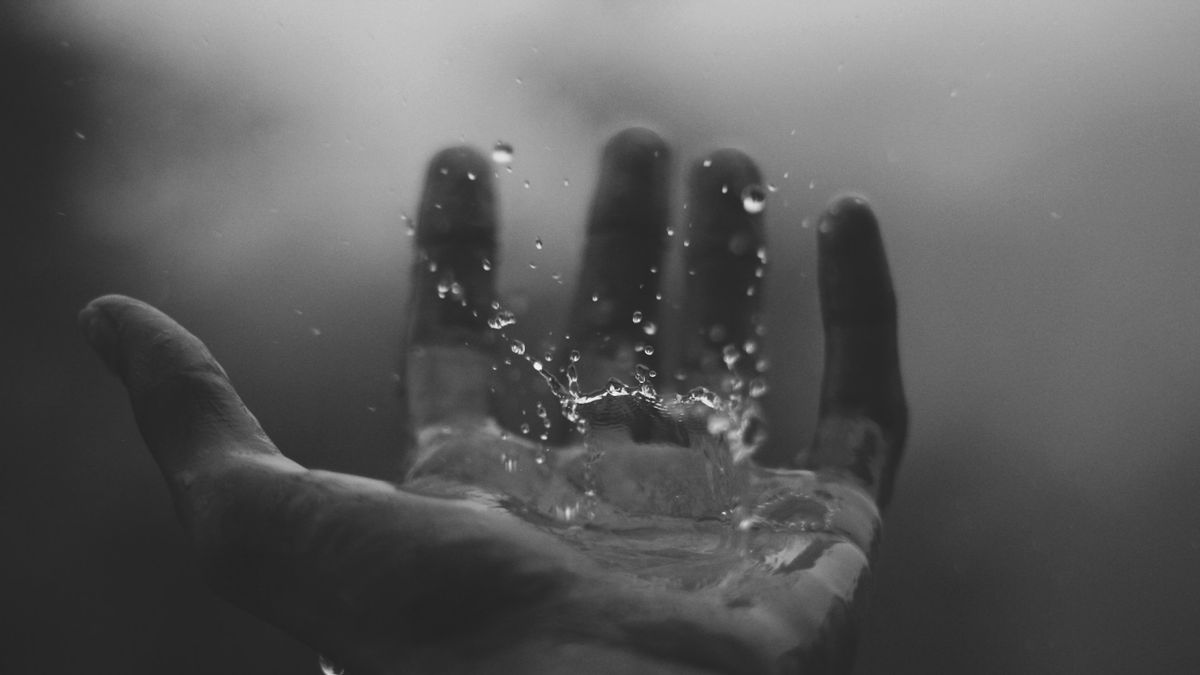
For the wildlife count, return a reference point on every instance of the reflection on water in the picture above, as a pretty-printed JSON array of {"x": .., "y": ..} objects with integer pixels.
[{"x": 661, "y": 488}]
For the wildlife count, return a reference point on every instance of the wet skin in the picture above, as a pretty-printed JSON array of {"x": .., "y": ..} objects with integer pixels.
[{"x": 383, "y": 578}]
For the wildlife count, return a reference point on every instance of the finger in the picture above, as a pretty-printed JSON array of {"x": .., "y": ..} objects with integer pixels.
[
  {"x": 449, "y": 343},
  {"x": 724, "y": 264},
  {"x": 863, "y": 417},
  {"x": 188, "y": 413},
  {"x": 614, "y": 318}
]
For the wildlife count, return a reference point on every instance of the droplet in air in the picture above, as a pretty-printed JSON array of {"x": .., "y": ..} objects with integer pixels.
[
  {"x": 502, "y": 319},
  {"x": 329, "y": 667},
  {"x": 574, "y": 356},
  {"x": 517, "y": 347},
  {"x": 649, "y": 328},
  {"x": 487, "y": 265},
  {"x": 502, "y": 153},
  {"x": 637, "y": 317},
  {"x": 80, "y": 135},
  {"x": 707, "y": 163},
  {"x": 954, "y": 93},
  {"x": 754, "y": 199},
  {"x": 525, "y": 185},
  {"x": 758, "y": 387},
  {"x": 730, "y": 355},
  {"x": 537, "y": 243},
  {"x": 566, "y": 182}
]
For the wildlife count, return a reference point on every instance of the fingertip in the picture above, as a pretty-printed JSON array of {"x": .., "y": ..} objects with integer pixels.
[
  {"x": 721, "y": 177},
  {"x": 854, "y": 275},
  {"x": 631, "y": 196},
  {"x": 456, "y": 162},
  {"x": 458, "y": 199},
  {"x": 100, "y": 331},
  {"x": 635, "y": 148},
  {"x": 848, "y": 216}
]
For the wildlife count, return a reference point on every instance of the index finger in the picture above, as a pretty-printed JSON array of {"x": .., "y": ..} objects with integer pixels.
[{"x": 863, "y": 418}]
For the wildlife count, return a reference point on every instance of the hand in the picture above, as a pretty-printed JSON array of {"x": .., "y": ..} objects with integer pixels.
[{"x": 386, "y": 579}]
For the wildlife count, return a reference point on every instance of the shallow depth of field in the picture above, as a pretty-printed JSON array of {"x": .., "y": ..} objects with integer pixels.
[{"x": 250, "y": 168}]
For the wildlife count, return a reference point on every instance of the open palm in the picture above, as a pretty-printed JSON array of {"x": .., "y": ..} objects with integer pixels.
[{"x": 438, "y": 574}]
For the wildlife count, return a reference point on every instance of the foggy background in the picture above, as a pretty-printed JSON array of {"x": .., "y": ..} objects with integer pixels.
[{"x": 247, "y": 167}]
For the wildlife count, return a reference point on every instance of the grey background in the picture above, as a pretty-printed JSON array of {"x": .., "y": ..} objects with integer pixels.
[{"x": 247, "y": 168}]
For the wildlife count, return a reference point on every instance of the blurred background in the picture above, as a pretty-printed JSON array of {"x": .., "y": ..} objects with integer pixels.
[{"x": 250, "y": 168}]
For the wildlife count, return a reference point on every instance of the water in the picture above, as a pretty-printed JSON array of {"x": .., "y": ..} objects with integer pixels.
[
  {"x": 754, "y": 199},
  {"x": 502, "y": 153},
  {"x": 659, "y": 487}
]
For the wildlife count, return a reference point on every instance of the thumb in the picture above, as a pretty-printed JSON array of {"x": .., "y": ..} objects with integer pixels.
[{"x": 186, "y": 409}]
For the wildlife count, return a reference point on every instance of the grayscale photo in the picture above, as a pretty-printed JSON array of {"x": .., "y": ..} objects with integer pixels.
[{"x": 533, "y": 337}]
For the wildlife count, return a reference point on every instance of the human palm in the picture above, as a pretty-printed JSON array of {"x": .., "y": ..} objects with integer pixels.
[{"x": 467, "y": 567}]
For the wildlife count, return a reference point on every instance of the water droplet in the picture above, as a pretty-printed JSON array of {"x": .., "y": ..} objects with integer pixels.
[
  {"x": 754, "y": 200},
  {"x": 517, "y": 347},
  {"x": 80, "y": 135},
  {"x": 649, "y": 328},
  {"x": 537, "y": 243},
  {"x": 758, "y": 387},
  {"x": 648, "y": 349},
  {"x": 730, "y": 355},
  {"x": 525, "y": 428},
  {"x": 443, "y": 287},
  {"x": 502, "y": 319},
  {"x": 502, "y": 153},
  {"x": 329, "y": 667},
  {"x": 637, "y": 317},
  {"x": 707, "y": 163},
  {"x": 444, "y": 171},
  {"x": 316, "y": 332},
  {"x": 574, "y": 356},
  {"x": 525, "y": 185},
  {"x": 641, "y": 373},
  {"x": 470, "y": 176},
  {"x": 487, "y": 265},
  {"x": 566, "y": 182},
  {"x": 954, "y": 93},
  {"x": 724, "y": 189},
  {"x": 595, "y": 297}
]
